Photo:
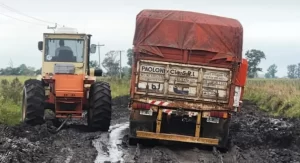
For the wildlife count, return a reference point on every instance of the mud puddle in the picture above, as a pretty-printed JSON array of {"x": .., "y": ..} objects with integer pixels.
[
  {"x": 108, "y": 144},
  {"x": 176, "y": 153},
  {"x": 73, "y": 144}
]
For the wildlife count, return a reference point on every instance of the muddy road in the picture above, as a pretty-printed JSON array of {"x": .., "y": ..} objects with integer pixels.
[{"x": 255, "y": 137}]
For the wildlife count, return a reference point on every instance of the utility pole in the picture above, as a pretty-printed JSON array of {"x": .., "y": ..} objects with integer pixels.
[
  {"x": 52, "y": 27},
  {"x": 99, "y": 53},
  {"x": 120, "y": 65}
]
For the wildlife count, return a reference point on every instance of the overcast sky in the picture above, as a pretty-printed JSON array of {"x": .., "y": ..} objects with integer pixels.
[{"x": 271, "y": 26}]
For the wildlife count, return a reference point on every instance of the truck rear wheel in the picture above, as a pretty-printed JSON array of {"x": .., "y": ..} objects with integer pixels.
[
  {"x": 99, "y": 112},
  {"x": 33, "y": 102},
  {"x": 132, "y": 140},
  {"x": 224, "y": 145}
]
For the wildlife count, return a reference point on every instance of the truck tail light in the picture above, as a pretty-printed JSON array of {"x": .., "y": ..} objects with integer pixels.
[
  {"x": 219, "y": 114},
  {"x": 141, "y": 106}
]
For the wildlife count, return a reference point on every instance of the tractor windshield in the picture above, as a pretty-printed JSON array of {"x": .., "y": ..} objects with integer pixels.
[{"x": 64, "y": 50}]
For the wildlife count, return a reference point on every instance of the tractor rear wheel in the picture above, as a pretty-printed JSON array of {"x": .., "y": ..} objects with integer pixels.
[
  {"x": 33, "y": 102},
  {"x": 100, "y": 106}
]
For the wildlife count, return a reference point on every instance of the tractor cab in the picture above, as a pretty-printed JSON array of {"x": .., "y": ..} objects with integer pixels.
[{"x": 66, "y": 49}]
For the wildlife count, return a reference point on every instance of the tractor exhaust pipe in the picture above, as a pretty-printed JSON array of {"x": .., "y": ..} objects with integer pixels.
[{"x": 88, "y": 53}]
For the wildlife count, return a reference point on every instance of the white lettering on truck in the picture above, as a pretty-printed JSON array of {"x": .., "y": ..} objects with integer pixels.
[{"x": 162, "y": 70}]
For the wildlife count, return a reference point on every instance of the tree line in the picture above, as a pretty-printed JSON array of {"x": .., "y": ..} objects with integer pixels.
[
  {"x": 254, "y": 58},
  {"x": 20, "y": 70},
  {"x": 111, "y": 64},
  {"x": 293, "y": 71}
]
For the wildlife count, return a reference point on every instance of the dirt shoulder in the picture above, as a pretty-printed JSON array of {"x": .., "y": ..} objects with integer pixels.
[{"x": 262, "y": 138}]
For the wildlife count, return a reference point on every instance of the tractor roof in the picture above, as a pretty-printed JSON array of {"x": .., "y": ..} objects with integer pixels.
[{"x": 66, "y": 31}]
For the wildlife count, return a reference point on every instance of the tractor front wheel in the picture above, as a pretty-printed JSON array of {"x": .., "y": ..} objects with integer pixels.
[
  {"x": 100, "y": 106},
  {"x": 33, "y": 102}
]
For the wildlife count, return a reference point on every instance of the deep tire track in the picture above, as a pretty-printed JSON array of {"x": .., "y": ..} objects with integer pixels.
[
  {"x": 24, "y": 143},
  {"x": 108, "y": 145}
]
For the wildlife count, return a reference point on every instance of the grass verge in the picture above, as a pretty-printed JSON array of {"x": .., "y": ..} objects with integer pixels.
[
  {"x": 280, "y": 97},
  {"x": 277, "y": 96}
]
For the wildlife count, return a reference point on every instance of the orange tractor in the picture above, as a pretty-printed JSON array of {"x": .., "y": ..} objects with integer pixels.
[{"x": 67, "y": 85}]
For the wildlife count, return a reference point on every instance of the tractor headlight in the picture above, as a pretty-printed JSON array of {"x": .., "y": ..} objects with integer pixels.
[{"x": 50, "y": 75}]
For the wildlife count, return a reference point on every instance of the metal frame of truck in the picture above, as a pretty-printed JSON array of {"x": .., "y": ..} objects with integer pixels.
[{"x": 153, "y": 47}]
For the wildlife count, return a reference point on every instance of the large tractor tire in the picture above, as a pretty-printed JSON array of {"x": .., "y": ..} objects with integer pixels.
[
  {"x": 100, "y": 106},
  {"x": 33, "y": 102}
]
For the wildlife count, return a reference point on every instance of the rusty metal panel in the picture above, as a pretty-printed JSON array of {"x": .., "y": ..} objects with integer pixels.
[
  {"x": 189, "y": 105},
  {"x": 216, "y": 83},
  {"x": 175, "y": 137},
  {"x": 183, "y": 81},
  {"x": 151, "y": 77}
]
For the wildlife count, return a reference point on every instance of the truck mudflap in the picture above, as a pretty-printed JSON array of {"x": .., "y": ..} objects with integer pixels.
[{"x": 156, "y": 127}]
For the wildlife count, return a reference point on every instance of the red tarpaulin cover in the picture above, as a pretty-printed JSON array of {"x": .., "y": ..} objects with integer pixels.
[{"x": 188, "y": 31}]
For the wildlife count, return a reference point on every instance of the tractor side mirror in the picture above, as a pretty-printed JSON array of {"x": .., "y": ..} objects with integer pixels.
[
  {"x": 98, "y": 72},
  {"x": 93, "y": 48},
  {"x": 40, "y": 45}
]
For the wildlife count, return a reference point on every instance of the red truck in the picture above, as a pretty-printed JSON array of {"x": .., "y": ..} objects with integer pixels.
[{"x": 188, "y": 77}]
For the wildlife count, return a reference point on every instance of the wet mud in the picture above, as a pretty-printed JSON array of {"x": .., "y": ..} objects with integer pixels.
[{"x": 255, "y": 137}]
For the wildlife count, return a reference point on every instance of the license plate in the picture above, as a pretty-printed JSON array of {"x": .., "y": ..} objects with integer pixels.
[
  {"x": 146, "y": 112},
  {"x": 212, "y": 120}
]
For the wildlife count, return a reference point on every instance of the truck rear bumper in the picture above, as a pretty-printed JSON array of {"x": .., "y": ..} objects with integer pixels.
[
  {"x": 176, "y": 137},
  {"x": 158, "y": 127}
]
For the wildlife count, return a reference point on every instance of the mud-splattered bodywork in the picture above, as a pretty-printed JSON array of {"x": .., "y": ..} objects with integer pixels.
[
  {"x": 66, "y": 80},
  {"x": 188, "y": 76}
]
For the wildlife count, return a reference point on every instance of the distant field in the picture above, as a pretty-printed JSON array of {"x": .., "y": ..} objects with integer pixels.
[
  {"x": 118, "y": 87},
  {"x": 277, "y": 96},
  {"x": 21, "y": 78}
]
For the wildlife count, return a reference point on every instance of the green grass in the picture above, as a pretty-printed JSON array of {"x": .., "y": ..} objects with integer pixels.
[
  {"x": 119, "y": 87},
  {"x": 10, "y": 113},
  {"x": 21, "y": 78},
  {"x": 10, "y": 100},
  {"x": 277, "y": 96},
  {"x": 11, "y": 93}
]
